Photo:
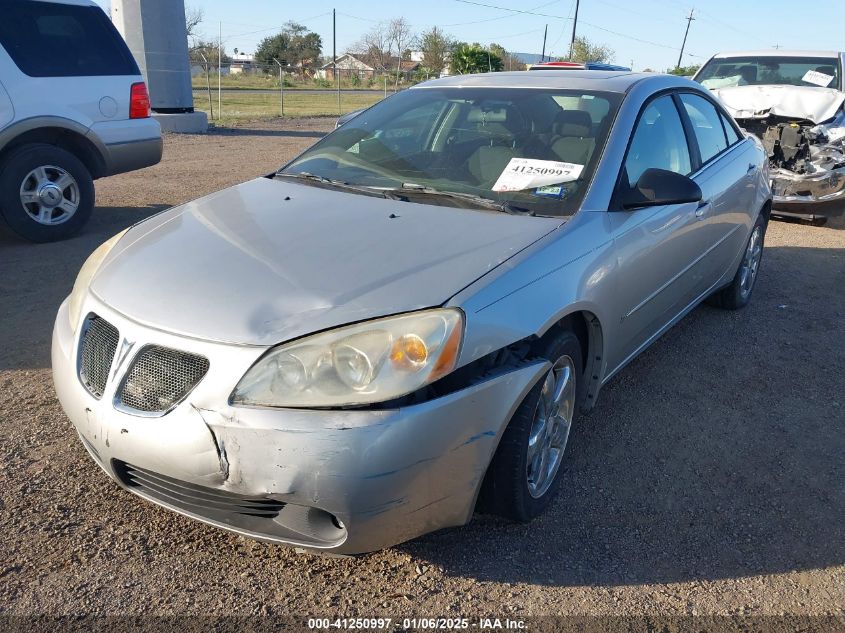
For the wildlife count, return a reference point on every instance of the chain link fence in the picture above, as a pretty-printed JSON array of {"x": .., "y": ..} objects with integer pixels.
[{"x": 249, "y": 90}]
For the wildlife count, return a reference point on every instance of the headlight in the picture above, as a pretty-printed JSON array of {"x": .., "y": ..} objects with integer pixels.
[
  {"x": 83, "y": 279},
  {"x": 366, "y": 363}
]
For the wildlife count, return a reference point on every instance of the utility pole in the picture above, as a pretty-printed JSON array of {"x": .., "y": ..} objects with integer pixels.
[
  {"x": 220, "y": 71},
  {"x": 206, "y": 66},
  {"x": 574, "y": 28},
  {"x": 334, "y": 58},
  {"x": 543, "y": 55},
  {"x": 684, "y": 45},
  {"x": 281, "y": 87}
]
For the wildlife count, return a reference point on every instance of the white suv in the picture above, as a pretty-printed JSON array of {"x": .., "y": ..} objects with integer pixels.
[{"x": 73, "y": 107}]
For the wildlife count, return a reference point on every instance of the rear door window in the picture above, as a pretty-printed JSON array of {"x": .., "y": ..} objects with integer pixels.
[
  {"x": 730, "y": 131},
  {"x": 707, "y": 126},
  {"x": 48, "y": 39}
]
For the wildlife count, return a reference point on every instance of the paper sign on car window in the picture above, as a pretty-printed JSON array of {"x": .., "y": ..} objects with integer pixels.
[
  {"x": 528, "y": 173},
  {"x": 818, "y": 79}
]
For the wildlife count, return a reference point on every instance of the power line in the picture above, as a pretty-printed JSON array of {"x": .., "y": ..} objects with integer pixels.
[
  {"x": 523, "y": 11},
  {"x": 560, "y": 17},
  {"x": 501, "y": 17},
  {"x": 563, "y": 29}
]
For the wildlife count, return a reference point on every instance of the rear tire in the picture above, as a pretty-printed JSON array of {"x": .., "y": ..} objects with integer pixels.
[
  {"x": 519, "y": 484},
  {"x": 46, "y": 193},
  {"x": 738, "y": 293}
]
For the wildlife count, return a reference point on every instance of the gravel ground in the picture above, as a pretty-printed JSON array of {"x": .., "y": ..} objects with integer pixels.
[{"x": 709, "y": 479}]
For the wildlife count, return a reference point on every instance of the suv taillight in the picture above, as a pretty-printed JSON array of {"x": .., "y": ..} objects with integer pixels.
[{"x": 139, "y": 101}]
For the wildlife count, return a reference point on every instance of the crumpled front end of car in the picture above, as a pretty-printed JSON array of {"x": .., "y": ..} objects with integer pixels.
[
  {"x": 152, "y": 410},
  {"x": 808, "y": 160},
  {"x": 803, "y": 131}
]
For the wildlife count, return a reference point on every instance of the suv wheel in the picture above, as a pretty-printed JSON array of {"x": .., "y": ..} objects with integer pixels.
[{"x": 46, "y": 193}]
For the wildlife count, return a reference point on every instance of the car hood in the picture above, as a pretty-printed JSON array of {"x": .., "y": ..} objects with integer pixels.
[
  {"x": 270, "y": 260},
  {"x": 799, "y": 102}
]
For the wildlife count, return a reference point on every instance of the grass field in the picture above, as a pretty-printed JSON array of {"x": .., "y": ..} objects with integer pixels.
[
  {"x": 246, "y": 81},
  {"x": 263, "y": 105}
]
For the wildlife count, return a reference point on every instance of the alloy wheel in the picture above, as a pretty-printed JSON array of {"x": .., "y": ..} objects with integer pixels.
[
  {"x": 550, "y": 427},
  {"x": 49, "y": 195},
  {"x": 751, "y": 261}
]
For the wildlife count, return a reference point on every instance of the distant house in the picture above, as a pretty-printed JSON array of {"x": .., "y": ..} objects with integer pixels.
[
  {"x": 241, "y": 62},
  {"x": 365, "y": 66}
]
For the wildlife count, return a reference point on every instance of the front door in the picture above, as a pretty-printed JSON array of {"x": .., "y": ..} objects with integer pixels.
[{"x": 658, "y": 249}]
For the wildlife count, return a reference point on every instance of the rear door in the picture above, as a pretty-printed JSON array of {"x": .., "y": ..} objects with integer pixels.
[
  {"x": 727, "y": 178},
  {"x": 69, "y": 60},
  {"x": 658, "y": 249}
]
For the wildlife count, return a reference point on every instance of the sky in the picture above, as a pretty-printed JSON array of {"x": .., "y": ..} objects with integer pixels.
[{"x": 642, "y": 33}]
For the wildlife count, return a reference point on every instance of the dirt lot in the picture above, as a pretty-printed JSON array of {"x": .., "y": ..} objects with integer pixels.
[{"x": 709, "y": 480}]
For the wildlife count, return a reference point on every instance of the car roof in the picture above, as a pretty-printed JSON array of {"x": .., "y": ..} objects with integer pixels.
[
  {"x": 599, "y": 80},
  {"x": 778, "y": 52}
]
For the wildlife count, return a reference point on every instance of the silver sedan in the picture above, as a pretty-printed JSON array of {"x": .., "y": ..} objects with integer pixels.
[{"x": 401, "y": 325}]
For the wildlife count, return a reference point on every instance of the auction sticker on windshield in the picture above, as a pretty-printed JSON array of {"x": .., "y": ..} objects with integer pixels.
[
  {"x": 528, "y": 173},
  {"x": 816, "y": 78}
]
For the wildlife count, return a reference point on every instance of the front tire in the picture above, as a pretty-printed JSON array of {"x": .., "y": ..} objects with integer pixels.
[
  {"x": 524, "y": 474},
  {"x": 46, "y": 193},
  {"x": 738, "y": 293}
]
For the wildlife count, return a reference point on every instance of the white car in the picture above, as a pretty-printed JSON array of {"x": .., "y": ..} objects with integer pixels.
[
  {"x": 73, "y": 107},
  {"x": 794, "y": 101}
]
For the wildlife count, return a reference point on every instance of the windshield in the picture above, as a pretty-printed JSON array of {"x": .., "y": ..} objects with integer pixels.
[
  {"x": 533, "y": 150},
  {"x": 727, "y": 72}
]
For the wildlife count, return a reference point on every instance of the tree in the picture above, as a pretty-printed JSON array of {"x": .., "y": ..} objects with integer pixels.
[
  {"x": 209, "y": 49},
  {"x": 193, "y": 18},
  {"x": 585, "y": 51},
  {"x": 435, "y": 46},
  {"x": 398, "y": 35},
  {"x": 375, "y": 45},
  {"x": 684, "y": 71},
  {"x": 295, "y": 45},
  {"x": 471, "y": 58},
  {"x": 509, "y": 62}
]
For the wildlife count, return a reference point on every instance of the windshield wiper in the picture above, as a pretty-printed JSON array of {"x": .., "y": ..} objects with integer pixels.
[
  {"x": 328, "y": 182},
  {"x": 410, "y": 189}
]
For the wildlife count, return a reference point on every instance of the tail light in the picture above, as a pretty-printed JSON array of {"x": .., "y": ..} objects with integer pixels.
[{"x": 139, "y": 101}]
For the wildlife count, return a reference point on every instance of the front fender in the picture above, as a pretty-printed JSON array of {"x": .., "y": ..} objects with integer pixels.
[{"x": 567, "y": 272}]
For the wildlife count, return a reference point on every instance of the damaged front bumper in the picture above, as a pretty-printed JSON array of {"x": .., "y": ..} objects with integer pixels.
[
  {"x": 791, "y": 188},
  {"x": 342, "y": 481}
]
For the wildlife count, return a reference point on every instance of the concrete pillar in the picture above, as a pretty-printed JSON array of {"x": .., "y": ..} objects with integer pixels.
[{"x": 155, "y": 33}]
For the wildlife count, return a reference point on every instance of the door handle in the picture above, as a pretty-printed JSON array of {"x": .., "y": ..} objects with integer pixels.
[
  {"x": 702, "y": 209},
  {"x": 752, "y": 167}
]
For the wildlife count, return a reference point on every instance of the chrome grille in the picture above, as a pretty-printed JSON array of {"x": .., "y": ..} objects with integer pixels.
[
  {"x": 160, "y": 378},
  {"x": 96, "y": 353}
]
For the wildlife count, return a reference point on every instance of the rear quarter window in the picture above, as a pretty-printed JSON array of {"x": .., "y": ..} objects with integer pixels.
[{"x": 48, "y": 39}]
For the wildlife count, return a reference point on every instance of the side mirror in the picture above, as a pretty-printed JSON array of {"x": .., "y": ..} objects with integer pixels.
[
  {"x": 347, "y": 117},
  {"x": 658, "y": 187}
]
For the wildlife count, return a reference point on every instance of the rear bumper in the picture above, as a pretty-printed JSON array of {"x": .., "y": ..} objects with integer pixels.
[
  {"x": 128, "y": 144},
  {"x": 346, "y": 481},
  {"x": 123, "y": 157}
]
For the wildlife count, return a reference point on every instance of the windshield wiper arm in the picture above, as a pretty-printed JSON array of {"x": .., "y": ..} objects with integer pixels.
[
  {"x": 411, "y": 189},
  {"x": 338, "y": 184}
]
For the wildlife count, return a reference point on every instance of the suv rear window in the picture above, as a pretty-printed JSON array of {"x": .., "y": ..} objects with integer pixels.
[{"x": 48, "y": 39}]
